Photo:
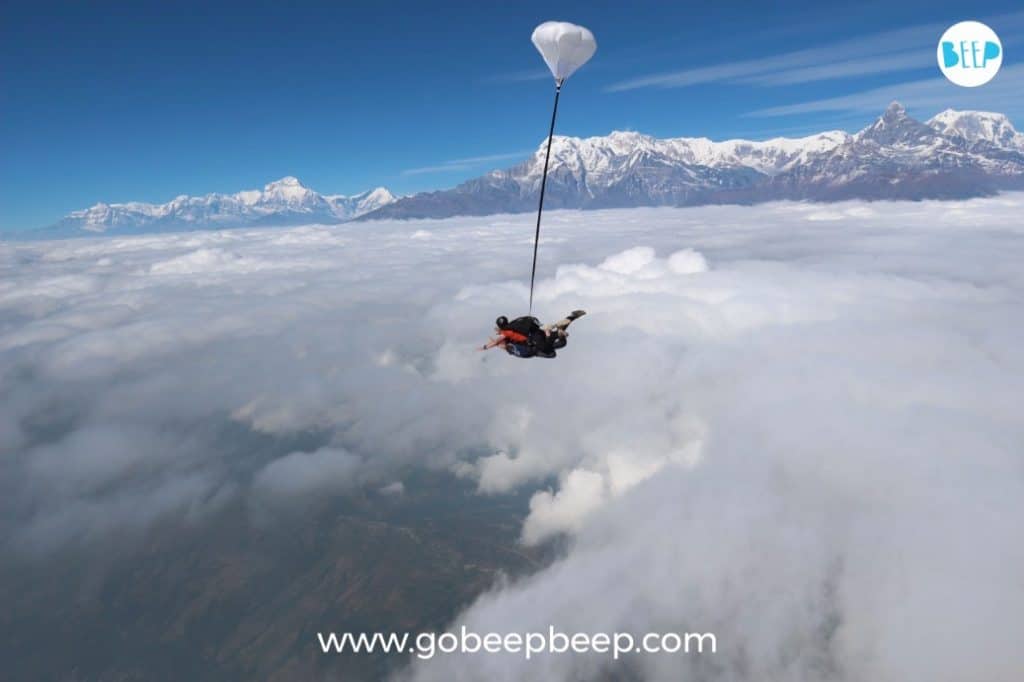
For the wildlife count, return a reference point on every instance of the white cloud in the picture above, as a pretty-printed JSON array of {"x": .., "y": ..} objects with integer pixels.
[
  {"x": 793, "y": 425},
  {"x": 396, "y": 488},
  {"x": 301, "y": 474},
  {"x": 580, "y": 493}
]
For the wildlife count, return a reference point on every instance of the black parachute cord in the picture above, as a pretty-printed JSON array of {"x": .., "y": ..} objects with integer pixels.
[{"x": 543, "y": 183}]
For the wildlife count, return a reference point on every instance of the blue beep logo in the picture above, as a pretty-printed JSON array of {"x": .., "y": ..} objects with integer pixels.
[{"x": 970, "y": 54}]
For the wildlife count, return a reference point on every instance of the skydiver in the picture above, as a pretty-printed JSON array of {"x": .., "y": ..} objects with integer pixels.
[{"x": 525, "y": 337}]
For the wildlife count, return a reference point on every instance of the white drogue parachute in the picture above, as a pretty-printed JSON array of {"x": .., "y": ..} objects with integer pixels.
[{"x": 564, "y": 46}]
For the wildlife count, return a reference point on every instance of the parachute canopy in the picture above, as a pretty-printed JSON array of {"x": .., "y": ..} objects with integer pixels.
[{"x": 564, "y": 46}]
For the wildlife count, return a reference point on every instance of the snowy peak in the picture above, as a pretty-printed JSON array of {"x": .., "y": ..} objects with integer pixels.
[
  {"x": 894, "y": 116},
  {"x": 290, "y": 191},
  {"x": 287, "y": 181},
  {"x": 281, "y": 202},
  {"x": 978, "y": 126},
  {"x": 358, "y": 204},
  {"x": 894, "y": 128},
  {"x": 287, "y": 185},
  {"x": 894, "y": 113},
  {"x": 380, "y": 194},
  {"x": 97, "y": 218}
]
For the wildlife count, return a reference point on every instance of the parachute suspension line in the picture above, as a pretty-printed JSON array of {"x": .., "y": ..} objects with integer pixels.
[{"x": 543, "y": 183}]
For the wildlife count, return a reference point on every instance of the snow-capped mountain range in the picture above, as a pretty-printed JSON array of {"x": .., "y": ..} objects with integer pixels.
[
  {"x": 955, "y": 154},
  {"x": 283, "y": 202}
]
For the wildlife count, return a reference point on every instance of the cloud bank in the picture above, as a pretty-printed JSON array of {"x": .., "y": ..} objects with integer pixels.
[{"x": 791, "y": 425}]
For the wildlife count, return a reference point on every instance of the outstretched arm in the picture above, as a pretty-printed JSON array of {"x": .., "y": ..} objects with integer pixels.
[{"x": 491, "y": 343}]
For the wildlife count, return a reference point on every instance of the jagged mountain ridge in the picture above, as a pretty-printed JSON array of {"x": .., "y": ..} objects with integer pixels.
[
  {"x": 282, "y": 202},
  {"x": 953, "y": 155}
]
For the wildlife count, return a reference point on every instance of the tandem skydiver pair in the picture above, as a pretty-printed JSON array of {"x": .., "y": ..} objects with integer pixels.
[{"x": 526, "y": 337}]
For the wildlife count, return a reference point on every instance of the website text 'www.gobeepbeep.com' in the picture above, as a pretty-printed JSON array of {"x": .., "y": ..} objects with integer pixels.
[{"x": 426, "y": 645}]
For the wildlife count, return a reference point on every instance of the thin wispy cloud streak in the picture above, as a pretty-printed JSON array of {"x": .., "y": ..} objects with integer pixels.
[
  {"x": 893, "y": 51},
  {"x": 840, "y": 53},
  {"x": 468, "y": 163},
  {"x": 900, "y": 61},
  {"x": 1004, "y": 93}
]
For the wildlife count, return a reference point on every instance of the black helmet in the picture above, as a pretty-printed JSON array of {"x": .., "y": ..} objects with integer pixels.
[{"x": 501, "y": 322}]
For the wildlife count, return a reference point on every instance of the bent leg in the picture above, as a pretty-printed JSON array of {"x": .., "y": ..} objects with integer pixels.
[
  {"x": 559, "y": 326},
  {"x": 555, "y": 333},
  {"x": 564, "y": 323}
]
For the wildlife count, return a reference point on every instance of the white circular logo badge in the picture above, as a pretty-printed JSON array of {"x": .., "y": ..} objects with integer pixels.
[{"x": 970, "y": 53}]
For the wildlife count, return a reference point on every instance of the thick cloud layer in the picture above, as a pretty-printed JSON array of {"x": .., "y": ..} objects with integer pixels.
[{"x": 792, "y": 425}]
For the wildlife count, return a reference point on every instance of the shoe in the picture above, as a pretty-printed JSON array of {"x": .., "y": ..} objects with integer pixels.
[{"x": 576, "y": 313}]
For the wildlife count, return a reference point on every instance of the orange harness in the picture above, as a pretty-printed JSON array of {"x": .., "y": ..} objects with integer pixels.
[{"x": 514, "y": 336}]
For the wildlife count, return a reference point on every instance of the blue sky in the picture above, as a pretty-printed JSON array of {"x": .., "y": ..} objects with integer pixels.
[{"x": 147, "y": 100}]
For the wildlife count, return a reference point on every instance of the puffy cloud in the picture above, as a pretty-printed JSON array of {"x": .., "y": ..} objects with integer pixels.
[
  {"x": 393, "y": 488},
  {"x": 580, "y": 493},
  {"x": 791, "y": 426},
  {"x": 301, "y": 474}
]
